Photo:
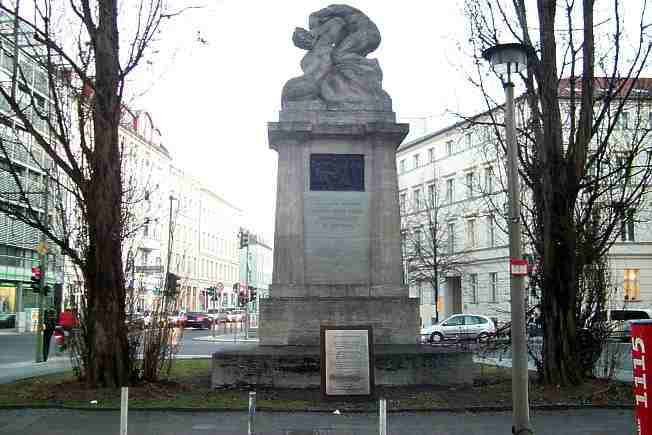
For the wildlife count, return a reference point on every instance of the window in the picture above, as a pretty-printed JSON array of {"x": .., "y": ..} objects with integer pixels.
[
  {"x": 144, "y": 257},
  {"x": 491, "y": 231},
  {"x": 402, "y": 199},
  {"x": 451, "y": 237},
  {"x": 489, "y": 180},
  {"x": 473, "y": 284},
  {"x": 401, "y": 166},
  {"x": 417, "y": 199},
  {"x": 627, "y": 227},
  {"x": 450, "y": 193},
  {"x": 623, "y": 119},
  {"x": 471, "y": 238},
  {"x": 431, "y": 196},
  {"x": 454, "y": 321},
  {"x": 631, "y": 284},
  {"x": 416, "y": 161},
  {"x": 469, "y": 184},
  {"x": 468, "y": 140},
  {"x": 431, "y": 155},
  {"x": 493, "y": 282},
  {"x": 449, "y": 147}
]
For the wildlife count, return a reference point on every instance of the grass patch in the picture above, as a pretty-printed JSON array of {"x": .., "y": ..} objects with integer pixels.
[{"x": 188, "y": 386}]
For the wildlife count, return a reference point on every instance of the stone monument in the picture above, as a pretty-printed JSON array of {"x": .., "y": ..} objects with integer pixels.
[{"x": 337, "y": 253}]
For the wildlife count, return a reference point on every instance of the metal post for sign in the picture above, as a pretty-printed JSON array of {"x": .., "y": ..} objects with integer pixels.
[
  {"x": 252, "y": 412},
  {"x": 382, "y": 417},
  {"x": 124, "y": 409}
]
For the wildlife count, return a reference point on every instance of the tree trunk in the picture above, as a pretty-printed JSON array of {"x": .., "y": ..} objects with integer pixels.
[
  {"x": 109, "y": 359},
  {"x": 561, "y": 365}
]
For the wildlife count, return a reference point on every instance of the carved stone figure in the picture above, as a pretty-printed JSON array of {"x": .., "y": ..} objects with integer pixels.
[{"x": 336, "y": 72}]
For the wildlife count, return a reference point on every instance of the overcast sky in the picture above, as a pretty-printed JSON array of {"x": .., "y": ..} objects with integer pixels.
[{"x": 212, "y": 100}]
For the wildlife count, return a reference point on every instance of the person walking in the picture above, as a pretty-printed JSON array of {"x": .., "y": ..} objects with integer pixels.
[{"x": 50, "y": 323}]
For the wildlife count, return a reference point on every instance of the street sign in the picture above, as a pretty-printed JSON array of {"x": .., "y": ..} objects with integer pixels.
[{"x": 518, "y": 266}]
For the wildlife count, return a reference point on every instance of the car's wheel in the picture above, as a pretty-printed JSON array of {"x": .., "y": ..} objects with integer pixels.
[{"x": 436, "y": 337}]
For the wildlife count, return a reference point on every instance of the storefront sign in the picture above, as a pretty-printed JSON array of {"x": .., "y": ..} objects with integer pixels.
[{"x": 642, "y": 370}]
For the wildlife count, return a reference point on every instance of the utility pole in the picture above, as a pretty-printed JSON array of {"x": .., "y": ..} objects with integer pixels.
[
  {"x": 247, "y": 290},
  {"x": 170, "y": 235}
]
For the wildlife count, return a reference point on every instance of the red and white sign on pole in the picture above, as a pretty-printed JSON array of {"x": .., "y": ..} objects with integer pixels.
[
  {"x": 518, "y": 266},
  {"x": 642, "y": 365}
]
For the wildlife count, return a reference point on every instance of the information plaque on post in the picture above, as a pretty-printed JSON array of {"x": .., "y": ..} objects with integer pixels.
[{"x": 347, "y": 362}]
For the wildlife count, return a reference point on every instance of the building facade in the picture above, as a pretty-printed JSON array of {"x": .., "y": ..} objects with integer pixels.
[
  {"x": 23, "y": 158},
  {"x": 456, "y": 174}
]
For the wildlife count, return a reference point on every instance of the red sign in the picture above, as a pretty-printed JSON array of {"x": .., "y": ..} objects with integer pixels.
[
  {"x": 518, "y": 266},
  {"x": 642, "y": 365}
]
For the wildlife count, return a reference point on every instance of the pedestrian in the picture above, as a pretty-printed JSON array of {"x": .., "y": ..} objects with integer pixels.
[{"x": 49, "y": 323}]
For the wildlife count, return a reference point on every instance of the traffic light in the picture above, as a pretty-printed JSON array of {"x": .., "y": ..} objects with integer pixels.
[
  {"x": 244, "y": 239},
  {"x": 171, "y": 282},
  {"x": 36, "y": 279},
  {"x": 252, "y": 294}
]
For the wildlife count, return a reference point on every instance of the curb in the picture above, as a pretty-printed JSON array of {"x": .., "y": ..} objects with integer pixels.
[
  {"x": 455, "y": 410},
  {"x": 226, "y": 340}
]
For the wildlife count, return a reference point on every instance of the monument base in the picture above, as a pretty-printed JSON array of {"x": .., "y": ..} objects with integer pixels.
[
  {"x": 299, "y": 366},
  {"x": 296, "y": 321}
]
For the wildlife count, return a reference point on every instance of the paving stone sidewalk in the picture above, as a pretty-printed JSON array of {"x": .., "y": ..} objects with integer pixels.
[
  {"x": 70, "y": 422},
  {"x": 28, "y": 369}
]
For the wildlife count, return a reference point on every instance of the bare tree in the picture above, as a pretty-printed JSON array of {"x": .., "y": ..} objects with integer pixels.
[
  {"x": 430, "y": 249},
  {"x": 586, "y": 166},
  {"x": 74, "y": 121}
]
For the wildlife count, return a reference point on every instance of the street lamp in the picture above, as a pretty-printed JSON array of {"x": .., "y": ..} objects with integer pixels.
[{"x": 505, "y": 60}]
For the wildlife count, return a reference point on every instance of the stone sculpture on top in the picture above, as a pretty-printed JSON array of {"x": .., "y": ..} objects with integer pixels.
[{"x": 337, "y": 75}]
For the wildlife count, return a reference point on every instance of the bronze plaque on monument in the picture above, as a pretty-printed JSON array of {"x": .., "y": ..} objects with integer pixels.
[{"x": 347, "y": 361}]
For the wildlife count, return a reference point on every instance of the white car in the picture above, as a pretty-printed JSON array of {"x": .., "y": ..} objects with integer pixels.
[{"x": 459, "y": 327}]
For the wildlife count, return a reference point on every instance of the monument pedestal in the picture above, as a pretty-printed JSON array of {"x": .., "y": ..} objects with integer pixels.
[
  {"x": 296, "y": 321},
  {"x": 299, "y": 366},
  {"x": 337, "y": 254}
]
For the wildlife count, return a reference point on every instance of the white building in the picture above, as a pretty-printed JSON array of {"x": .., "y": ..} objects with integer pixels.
[
  {"x": 162, "y": 200},
  {"x": 458, "y": 164}
]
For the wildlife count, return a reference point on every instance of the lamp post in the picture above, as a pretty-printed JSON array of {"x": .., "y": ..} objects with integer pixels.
[{"x": 505, "y": 60}]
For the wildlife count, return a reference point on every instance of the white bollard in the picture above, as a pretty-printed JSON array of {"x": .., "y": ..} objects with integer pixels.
[
  {"x": 124, "y": 409},
  {"x": 252, "y": 412},
  {"x": 382, "y": 417}
]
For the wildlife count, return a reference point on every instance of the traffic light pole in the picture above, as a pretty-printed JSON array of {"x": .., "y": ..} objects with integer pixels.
[
  {"x": 43, "y": 264},
  {"x": 248, "y": 295}
]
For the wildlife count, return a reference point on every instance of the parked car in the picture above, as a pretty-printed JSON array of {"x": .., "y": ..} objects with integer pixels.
[
  {"x": 7, "y": 320},
  {"x": 459, "y": 327},
  {"x": 197, "y": 320},
  {"x": 177, "y": 318},
  {"x": 235, "y": 316},
  {"x": 618, "y": 322},
  {"x": 217, "y": 315}
]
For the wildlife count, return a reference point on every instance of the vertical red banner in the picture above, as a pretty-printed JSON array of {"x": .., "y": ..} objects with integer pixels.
[{"x": 642, "y": 367}]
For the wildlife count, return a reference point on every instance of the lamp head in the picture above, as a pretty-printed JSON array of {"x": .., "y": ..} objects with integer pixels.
[{"x": 506, "y": 59}]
